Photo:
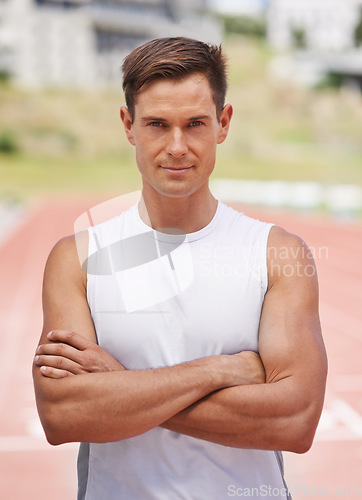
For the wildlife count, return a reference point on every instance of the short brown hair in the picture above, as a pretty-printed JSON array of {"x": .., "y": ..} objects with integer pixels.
[{"x": 174, "y": 58}]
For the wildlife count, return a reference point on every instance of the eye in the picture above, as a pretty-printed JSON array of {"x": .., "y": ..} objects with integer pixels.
[
  {"x": 196, "y": 123},
  {"x": 155, "y": 124}
]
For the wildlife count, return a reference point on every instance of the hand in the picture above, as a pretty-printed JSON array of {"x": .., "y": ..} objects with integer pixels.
[
  {"x": 252, "y": 369},
  {"x": 243, "y": 368},
  {"x": 69, "y": 353}
]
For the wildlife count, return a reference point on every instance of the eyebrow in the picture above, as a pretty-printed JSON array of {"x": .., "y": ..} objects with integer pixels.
[
  {"x": 157, "y": 119},
  {"x": 202, "y": 117},
  {"x": 152, "y": 118}
]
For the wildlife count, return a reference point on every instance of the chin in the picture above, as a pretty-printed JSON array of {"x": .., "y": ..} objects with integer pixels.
[
  {"x": 173, "y": 188},
  {"x": 177, "y": 190}
]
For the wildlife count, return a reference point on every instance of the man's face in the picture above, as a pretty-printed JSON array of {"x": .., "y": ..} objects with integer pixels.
[{"x": 175, "y": 132}]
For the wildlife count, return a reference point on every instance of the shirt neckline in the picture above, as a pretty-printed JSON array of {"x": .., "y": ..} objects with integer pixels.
[{"x": 175, "y": 238}]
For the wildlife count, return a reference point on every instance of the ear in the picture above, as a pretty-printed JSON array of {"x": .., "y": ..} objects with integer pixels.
[
  {"x": 225, "y": 119},
  {"x": 127, "y": 123}
]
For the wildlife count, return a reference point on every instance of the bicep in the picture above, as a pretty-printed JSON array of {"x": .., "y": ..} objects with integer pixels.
[
  {"x": 65, "y": 305},
  {"x": 290, "y": 339}
]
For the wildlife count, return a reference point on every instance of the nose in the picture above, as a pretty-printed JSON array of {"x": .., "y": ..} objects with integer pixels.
[{"x": 176, "y": 144}]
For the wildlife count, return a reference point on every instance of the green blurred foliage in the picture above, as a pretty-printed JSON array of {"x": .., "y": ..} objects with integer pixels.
[
  {"x": 330, "y": 81},
  {"x": 4, "y": 76},
  {"x": 299, "y": 38},
  {"x": 244, "y": 25},
  {"x": 8, "y": 142},
  {"x": 358, "y": 30}
]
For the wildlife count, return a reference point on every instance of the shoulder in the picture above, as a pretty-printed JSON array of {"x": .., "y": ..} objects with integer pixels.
[
  {"x": 67, "y": 258},
  {"x": 289, "y": 258},
  {"x": 280, "y": 240},
  {"x": 70, "y": 248}
]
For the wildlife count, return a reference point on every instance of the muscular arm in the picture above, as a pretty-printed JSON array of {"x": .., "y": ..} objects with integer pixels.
[
  {"x": 283, "y": 413},
  {"x": 113, "y": 405}
]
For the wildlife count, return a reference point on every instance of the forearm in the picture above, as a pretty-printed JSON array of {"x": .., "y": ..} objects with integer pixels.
[
  {"x": 102, "y": 407},
  {"x": 263, "y": 416}
]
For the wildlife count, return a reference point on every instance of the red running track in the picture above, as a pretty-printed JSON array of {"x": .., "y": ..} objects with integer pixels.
[{"x": 32, "y": 469}]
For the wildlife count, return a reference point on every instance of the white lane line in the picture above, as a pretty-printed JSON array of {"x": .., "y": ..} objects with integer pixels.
[
  {"x": 340, "y": 435},
  {"x": 26, "y": 443},
  {"x": 34, "y": 441},
  {"x": 347, "y": 416},
  {"x": 339, "y": 422}
]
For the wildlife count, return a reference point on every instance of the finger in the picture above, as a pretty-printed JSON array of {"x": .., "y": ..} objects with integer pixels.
[
  {"x": 71, "y": 338},
  {"x": 61, "y": 350},
  {"x": 51, "y": 372},
  {"x": 60, "y": 363}
]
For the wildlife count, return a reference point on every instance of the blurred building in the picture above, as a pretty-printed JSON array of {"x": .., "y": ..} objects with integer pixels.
[
  {"x": 248, "y": 8},
  {"x": 322, "y": 25},
  {"x": 326, "y": 38},
  {"x": 82, "y": 43}
]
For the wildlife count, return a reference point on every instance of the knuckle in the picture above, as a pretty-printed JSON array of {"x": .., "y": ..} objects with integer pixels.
[
  {"x": 60, "y": 348},
  {"x": 59, "y": 362},
  {"x": 71, "y": 335}
]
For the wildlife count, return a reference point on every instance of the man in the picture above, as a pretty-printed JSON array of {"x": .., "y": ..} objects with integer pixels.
[{"x": 174, "y": 401}]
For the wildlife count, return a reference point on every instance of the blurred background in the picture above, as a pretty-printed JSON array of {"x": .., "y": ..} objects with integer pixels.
[{"x": 293, "y": 156}]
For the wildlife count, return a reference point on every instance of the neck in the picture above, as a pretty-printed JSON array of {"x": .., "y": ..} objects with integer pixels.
[{"x": 187, "y": 214}]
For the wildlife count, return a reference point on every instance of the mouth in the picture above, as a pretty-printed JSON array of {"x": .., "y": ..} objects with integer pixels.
[{"x": 176, "y": 169}]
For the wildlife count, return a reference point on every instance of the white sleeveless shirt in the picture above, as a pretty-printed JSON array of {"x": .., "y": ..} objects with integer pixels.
[{"x": 160, "y": 299}]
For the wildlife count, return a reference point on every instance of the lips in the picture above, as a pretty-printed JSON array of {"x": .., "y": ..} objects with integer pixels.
[{"x": 176, "y": 168}]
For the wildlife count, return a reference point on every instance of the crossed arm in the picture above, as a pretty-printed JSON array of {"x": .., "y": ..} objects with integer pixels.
[{"x": 84, "y": 394}]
